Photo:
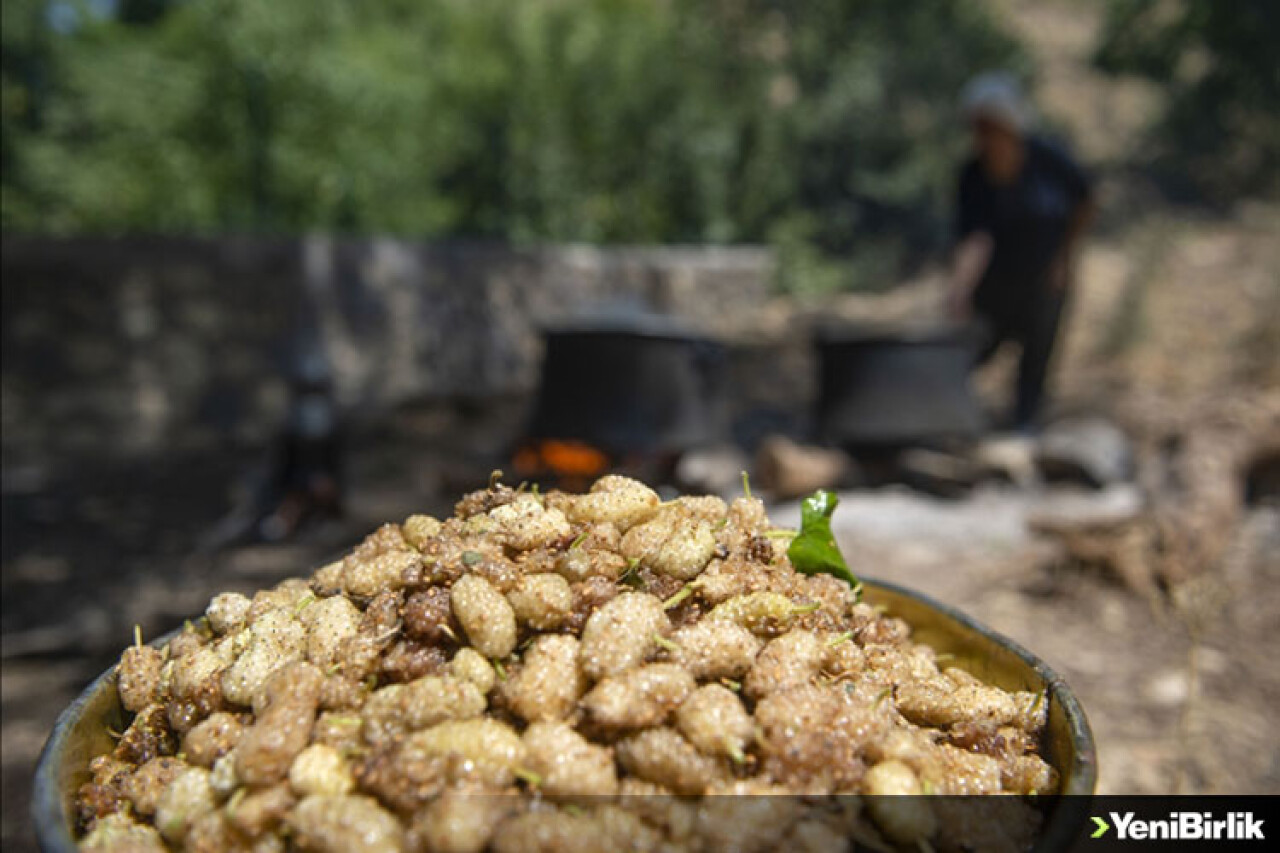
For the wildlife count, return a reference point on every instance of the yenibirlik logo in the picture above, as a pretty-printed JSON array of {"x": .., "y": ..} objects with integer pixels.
[{"x": 1183, "y": 826}]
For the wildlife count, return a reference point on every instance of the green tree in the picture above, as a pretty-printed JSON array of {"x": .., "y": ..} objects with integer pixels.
[
  {"x": 826, "y": 126},
  {"x": 25, "y": 68},
  {"x": 1221, "y": 131}
]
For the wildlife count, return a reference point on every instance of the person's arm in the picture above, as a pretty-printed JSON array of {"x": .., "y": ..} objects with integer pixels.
[
  {"x": 974, "y": 244},
  {"x": 969, "y": 262},
  {"x": 1082, "y": 215},
  {"x": 1080, "y": 187}
]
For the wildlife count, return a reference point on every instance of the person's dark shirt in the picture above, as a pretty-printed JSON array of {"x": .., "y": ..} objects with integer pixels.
[{"x": 1026, "y": 219}]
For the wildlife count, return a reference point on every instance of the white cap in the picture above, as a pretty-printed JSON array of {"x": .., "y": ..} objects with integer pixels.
[{"x": 997, "y": 96}]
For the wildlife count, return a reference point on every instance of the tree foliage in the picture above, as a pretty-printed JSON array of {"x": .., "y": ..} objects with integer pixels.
[
  {"x": 1221, "y": 130},
  {"x": 826, "y": 126}
]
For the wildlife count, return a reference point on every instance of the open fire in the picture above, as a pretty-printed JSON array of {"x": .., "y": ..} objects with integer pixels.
[
  {"x": 628, "y": 393},
  {"x": 569, "y": 463},
  {"x": 572, "y": 464}
]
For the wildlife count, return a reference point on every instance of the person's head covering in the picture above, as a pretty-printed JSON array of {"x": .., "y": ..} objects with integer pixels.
[{"x": 996, "y": 96}]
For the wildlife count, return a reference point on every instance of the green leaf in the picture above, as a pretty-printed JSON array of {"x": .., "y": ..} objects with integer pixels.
[{"x": 814, "y": 550}]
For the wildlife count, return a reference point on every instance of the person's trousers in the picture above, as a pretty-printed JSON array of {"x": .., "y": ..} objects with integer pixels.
[{"x": 1035, "y": 329}]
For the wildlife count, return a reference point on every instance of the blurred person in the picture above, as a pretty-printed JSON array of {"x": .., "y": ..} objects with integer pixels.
[{"x": 1022, "y": 207}]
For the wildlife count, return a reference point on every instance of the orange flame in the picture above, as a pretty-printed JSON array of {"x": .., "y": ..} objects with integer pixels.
[{"x": 563, "y": 457}]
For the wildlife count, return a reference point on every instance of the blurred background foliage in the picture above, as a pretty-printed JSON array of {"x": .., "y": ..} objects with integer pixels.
[
  {"x": 827, "y": 128},
  {"x": 1219, "y": 136}
]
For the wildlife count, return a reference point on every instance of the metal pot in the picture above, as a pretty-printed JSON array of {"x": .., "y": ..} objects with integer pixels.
[
  {"x": 81, "y": 730},
  {"x": 630, "y": 388},
  {"x": 892, "y": 389}
]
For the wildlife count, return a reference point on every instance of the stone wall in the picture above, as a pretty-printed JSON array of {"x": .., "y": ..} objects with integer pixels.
[{"x": 139, "y": 342}]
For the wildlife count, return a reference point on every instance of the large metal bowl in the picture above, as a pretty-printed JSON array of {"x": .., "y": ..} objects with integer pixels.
[{"x": 81, "y": 731}]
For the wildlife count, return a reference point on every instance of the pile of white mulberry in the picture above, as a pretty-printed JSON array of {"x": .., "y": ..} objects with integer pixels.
[{"x": 557, "y": 672}]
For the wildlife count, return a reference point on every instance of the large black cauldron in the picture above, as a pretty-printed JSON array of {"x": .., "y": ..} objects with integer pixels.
[
  {"x": 881, "y": 389},
  {"x": 643, "y": 387}
]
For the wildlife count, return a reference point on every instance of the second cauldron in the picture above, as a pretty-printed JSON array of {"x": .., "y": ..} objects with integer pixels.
[{"x": 894, "y": 388}]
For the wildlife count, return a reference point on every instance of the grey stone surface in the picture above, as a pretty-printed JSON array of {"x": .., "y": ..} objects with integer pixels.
[
  {"x": 137, "y": 342},
  {"x": 1091, "y": 450}
]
